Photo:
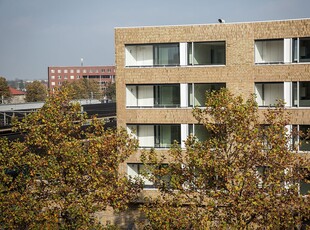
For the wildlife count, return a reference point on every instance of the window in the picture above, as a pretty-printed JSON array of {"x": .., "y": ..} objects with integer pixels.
[
  {"x": 59, "y": 71},
  {"x": 65, "y": 71},
  {"x": 158, "y": 136},
  {"x": 91, "y": 76},
  {"x": 52, "y": 77},
  {"x": 78, "y": 71},
  {"x": 269, "y": 94},
  {"x": 167, "y": 95},
  {"x": 199, "y": 131},
  {"x": 175, "y": 54},
  {"x": 52, "y": 71},
  {"x": 166, "y": 135},
  {"x": 296, "y": 94},
  {"x": 139, "y": 171},
  {"x": 305, "y": 184},
  {"x": 261, "y": 175},
  {"x": 206, "y": 53},
  {"x": 301, "y": 94},
  {"x": 267, "y": 175},
  {"x": 53, "y": 83},
  {"x": 264, "y": 134},
  {"x": 84, "y": 71},
  {"x": 166, "y": 54},
  {"x": 71, "y": 77},
  {"x": 139, "y": 55},
  {"x": 269, "y": 51},
  {"x": 197, "y": 92},
  {"x": 65, "y": 77},
  {"x": 302, "y": 139},
  {"x": 59, "y": 83},
  {"x": 71, "y": 71},
  {"x": 59, "y": 77},
  {"x": 102, "y": 70},
  {"x": 301, "y": 49},
  {"x": 305, "y": 187},
  {"x": 153, "y": 55}
]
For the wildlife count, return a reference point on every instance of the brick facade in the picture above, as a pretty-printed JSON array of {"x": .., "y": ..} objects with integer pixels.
[{"x": 240, "y": 72}]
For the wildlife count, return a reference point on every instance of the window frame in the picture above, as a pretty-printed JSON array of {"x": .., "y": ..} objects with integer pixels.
[{"x": 191, "y": 53}]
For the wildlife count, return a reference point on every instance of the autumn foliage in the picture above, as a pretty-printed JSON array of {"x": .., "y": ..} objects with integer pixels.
[
  {"x": 85, "y": 89},
  {"x": 36, "y": 91},
  {"x": 244, "y": 176},
  {"x": 63, "y": 171},
  {"x": 4, "y": 90}
]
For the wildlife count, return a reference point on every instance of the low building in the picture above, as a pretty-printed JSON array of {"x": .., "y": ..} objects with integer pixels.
[{"x": 17, "y": 96}]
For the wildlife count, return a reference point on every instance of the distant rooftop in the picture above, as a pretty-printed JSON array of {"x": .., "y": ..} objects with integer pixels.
[{"x": 15, "y": 92}]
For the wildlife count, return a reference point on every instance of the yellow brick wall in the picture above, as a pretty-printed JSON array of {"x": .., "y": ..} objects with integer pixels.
[{"x": 239, "y": 73}]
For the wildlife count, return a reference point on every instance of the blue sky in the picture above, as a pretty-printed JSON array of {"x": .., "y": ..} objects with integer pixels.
[{"x": 35, "y": 34}]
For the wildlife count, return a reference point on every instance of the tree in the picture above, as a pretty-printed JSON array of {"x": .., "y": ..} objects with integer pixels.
[
  {"x": 111, "y": 91},
  {"x": 243, "y": 176},
  {"x": 36, "y": 91},
  {"x": 62, "y": 173},
  {"x": 86, "y": 89},
  {"x": 4, "y": 90}
]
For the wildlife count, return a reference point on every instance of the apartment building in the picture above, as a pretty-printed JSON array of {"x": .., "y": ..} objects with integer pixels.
[
  {"x": 164, "y": 71},
  {"x": 57, "y": 75}
]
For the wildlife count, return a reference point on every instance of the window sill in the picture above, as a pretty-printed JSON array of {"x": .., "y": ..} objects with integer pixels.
[
  {"x": 280, "y": 63},
  {"x": 286, "y": 107},
  {"x": 152, "y": 107}
]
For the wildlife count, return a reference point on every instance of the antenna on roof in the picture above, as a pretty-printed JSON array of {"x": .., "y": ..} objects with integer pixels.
[
  {"x": 82, "y": 61},
  {"x": 221, "y": 20}
]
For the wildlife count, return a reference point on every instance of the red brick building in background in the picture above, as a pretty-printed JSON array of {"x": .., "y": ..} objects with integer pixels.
[{"x": 59, "y": 74}]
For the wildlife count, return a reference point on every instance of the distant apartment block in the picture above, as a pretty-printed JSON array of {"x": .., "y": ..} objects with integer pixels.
[
  {"x": 164, "y": 71},
  {"x": 57, "y": 75}
]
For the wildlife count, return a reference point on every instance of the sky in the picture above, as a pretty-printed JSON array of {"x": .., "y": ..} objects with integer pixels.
[{"x": 35, "y": 34}]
